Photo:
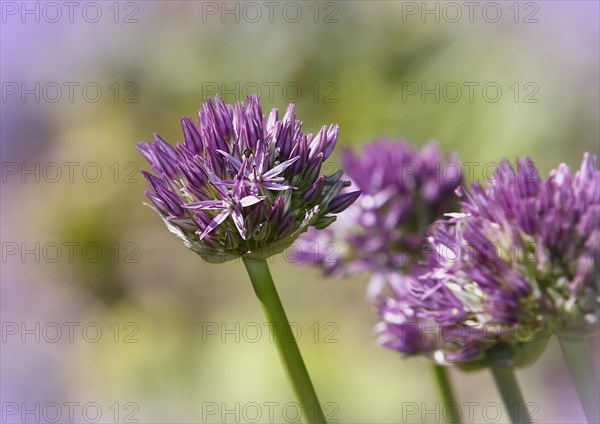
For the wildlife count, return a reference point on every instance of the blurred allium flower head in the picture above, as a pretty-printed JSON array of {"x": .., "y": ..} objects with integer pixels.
[
  {"x": 242, "y": 184},
  {"x": 520, "y": 262},
  {"x": 404, "y": 191}
]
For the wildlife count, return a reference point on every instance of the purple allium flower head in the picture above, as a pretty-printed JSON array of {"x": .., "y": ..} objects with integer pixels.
[
  {"x": 242, "y": 184},
  {"x": 518, "y": 264},
  {"x": 403, "y": 191}
]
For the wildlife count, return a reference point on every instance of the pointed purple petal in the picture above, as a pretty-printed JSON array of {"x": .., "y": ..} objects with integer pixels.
[
  {"x": 261, "y": 159},
  {"x": 251, "y": 200},
  {"x": 341, "y": 202},
  {"x": 191, "y": 135},
  {"x": 277, "y": 187},
  {"x": 332, "y": 135},
  {"x": 157, "y": 202},
  {"x": 206, "y": 204},
  {"x": 238, "y": 219},
  {"x": 153, "y": 181},
  {"x": 318, "y": 143},
  {"x": 217, "y": 220},
  {"x": 312, "y": 192},
  {"x": 232, "y": 159},
  {"x": 279, "y": 168}
]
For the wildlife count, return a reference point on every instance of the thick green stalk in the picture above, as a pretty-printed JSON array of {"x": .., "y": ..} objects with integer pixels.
[
  {"x": 446, "y": 393},
  {"x": 578, "y": 360},
  {"x": 289, "y": 354},
  {"x": 507, "y": 385}
]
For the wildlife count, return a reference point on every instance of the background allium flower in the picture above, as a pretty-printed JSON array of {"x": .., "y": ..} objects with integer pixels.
[
  {"x": 519, "y": 263},
  {"x": 243, "y": 184},
  {"x": 403, "y": 191}
]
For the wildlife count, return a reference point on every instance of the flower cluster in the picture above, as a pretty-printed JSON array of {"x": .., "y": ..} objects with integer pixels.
[
  {"x": 519, "y": 263},
  {"x": 404, "y": 191},
  {"x": 242, "y": 184}
]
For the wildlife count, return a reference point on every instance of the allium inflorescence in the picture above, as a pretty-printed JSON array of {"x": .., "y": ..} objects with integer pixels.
[
  {"x": 242, "y": 184},
  {"x": 519, "y": 263},
  {"x": 404, "y": 191}
]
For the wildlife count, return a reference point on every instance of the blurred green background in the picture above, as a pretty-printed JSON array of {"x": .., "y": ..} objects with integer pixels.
[{"x": 186, "y": 339}]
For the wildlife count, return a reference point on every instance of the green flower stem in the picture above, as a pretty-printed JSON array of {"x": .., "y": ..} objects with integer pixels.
[
  {"x": 578, "y": 360},
  {"x": 289, "y": 354},
  {"x": 445, "y": 391},
  {"x": 506, "y": 382}
]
